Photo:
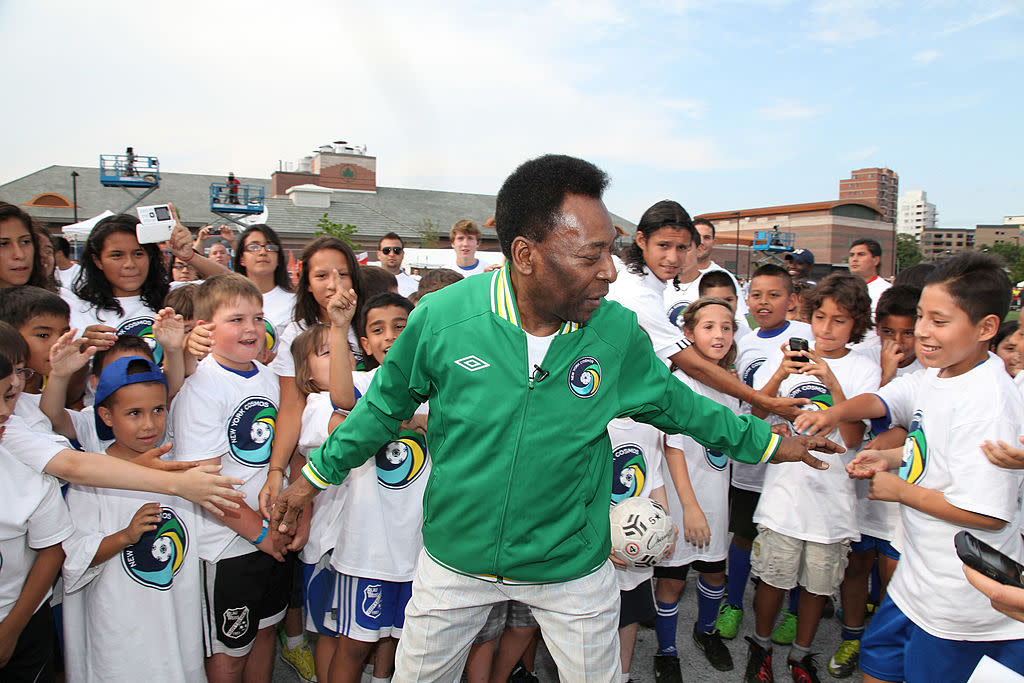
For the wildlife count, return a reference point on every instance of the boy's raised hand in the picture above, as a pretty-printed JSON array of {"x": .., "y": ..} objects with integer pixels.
[
  {"x": 1001, "y": 454},
  {"x": 100, "y": 336},
  {"x": 200, "y": 340},
  {"x": 818, "y": 367},
  {"x": 146, "y": 518},
  {"x": 887, "y": 486},
  {"x": 811, "y": 423},
  {"x": 891, "y": 357},
  {"x": 342, "y": 305},
  {"x": 69, "y": 355},
  {"x": 867, "y": 464},
  {"x": 169, "y": 328}
]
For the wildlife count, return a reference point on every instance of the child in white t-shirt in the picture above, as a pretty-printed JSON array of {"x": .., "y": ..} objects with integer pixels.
[
  {"x": 131, "y": 576},
  {"x": 932, "y": 624},
  {"x": 806, "y": 520},
  {"x": 33, "y": 522},
  {"x": 698, "y": 498},
  {"x": 637, "y": 453},
  {"x": 225, "y": 415}
]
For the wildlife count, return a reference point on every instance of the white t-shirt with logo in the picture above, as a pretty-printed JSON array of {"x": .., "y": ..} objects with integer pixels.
[
  {"x": 278, "y": 313},
  {"x": 137, "y": 615},
  {"x": 323, "y": 525},
  {"x": 33, "y": 516},
  {"x": 283, "y": 364},
  {"x": 137, "y": 319},
  {"x": 219, "y": 413},
  {"x": 675, "y": 300},
  {"x": 379, "y": 533},
  {"x": 800, "y": 501},
  {"x": 33, "y": 448},
  {"x": 638, "y": 450},
  {"x": 709, "y": 476},
  {"x": 751, "y": 352},
  {"x": 643, "y": 293},
  {"x": 949, "y": 418}
]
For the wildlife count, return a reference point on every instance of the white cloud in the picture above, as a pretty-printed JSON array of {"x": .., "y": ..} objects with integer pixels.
[
  {"x": 976, "y": 20},
  {"x": 926, "y": 57},
  {"x": 786, "y": 110},
  {"x": 840, "y": 22},
  {"x": 859, "y": 154}
]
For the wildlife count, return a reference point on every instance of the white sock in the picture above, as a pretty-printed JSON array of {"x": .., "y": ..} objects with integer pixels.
[
  {"x": 367, "y": 677},
  {"x": 386, "y": 679},
  {"x": 292, "y": 642},
  {"x": 624, "y": 677}
]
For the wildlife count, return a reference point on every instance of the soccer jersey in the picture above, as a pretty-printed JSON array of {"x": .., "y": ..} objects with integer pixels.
[
  {"x": 709, "y": 477},
  {"x": 379, "y": 532},
  {"x": 751, "y": 352},
  {"x": 637, "y": 453},
  {"x": 643, "y": 293},
  {"x": 137, "y": 319},
  {"x": 226, "y": 414},
  {"x": 800, "y": 501},
  {"x": 137, "y": 615},
  {"x": 949, "y": 417},
  {"x": 278, "y": 313},
  {"x": 323, "y": 525},
  {"x": 33, "y": 516}
]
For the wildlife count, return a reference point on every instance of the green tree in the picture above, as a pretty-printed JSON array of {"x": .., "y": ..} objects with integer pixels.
[
  {"x": 1012, "y": 254},
  {"x": 343, "y": 231},
  {"x": 430, "y": 233},
  {"x": 907, "y": 252}
]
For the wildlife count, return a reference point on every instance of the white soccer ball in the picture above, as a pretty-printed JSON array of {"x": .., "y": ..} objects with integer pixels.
[
  {"x": 642, "y": 532},
  {"x": 163, "y": 549},
  {"x": 260, "y": 432}
]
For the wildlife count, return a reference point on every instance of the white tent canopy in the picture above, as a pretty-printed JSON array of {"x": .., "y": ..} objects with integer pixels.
[{"x": 81, "y": 230}]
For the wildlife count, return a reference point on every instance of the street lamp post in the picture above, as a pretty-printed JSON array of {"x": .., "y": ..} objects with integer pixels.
[
  {"x": 74, "y": 193},
  {"x": 738, "y": 244}
]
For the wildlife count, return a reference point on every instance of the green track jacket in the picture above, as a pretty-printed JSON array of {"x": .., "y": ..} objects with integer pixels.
[{"x": 521, "y": 473}]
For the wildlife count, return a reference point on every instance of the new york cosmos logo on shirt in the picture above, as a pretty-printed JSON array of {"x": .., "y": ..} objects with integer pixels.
[
  {"x": 158, "y": 555},
  {"x": 401, "y": 462},
  {"x": 675, "y": 313},
  {"x": 585, "y": 377},
  {"x": 816, "y": 392},
  {"x": 251, "y": 431},
  {"x": 143, "y": 327},
  {"x": 716, "y": 459},
  {"x": 629, "y": 472},
  {"x": 271, "y": 337},
  {"x": 748, "y": 374},
  {"x": 915, "y": 451}
]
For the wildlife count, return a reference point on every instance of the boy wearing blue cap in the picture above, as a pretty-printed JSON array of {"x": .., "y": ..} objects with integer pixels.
[{"x": 131, "y": 576}]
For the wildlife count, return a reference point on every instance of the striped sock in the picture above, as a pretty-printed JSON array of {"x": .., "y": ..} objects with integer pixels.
[
  {"x": 709, "y": 599},
  {"x": 853, "y": 632},
  {"x": 665, "y": 627}
]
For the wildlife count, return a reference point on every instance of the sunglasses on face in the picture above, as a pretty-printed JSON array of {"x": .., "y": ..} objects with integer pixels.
[
  {"x": 270, "y": 248},
  {"x": 397, "y": 251}
]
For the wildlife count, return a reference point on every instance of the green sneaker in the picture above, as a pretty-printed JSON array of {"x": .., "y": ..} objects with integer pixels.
[
  {"x": 785, "y": 632},
  {"x": 844, "y": 661},
  {"x": 729, "y": 619}
]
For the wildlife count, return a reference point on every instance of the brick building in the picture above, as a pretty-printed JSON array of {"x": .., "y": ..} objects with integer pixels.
[
  {"x": 941, "y": 243},
  {"x": 878, "y": 185}
]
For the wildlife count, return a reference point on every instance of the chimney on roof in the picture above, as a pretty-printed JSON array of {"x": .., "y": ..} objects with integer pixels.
[{"x": 339, "y": 166}]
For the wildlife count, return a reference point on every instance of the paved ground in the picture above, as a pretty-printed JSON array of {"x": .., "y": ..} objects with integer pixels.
[{"x": 694, "y": 666}]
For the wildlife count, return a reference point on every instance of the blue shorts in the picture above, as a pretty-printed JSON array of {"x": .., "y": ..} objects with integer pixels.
[
  {"x": 317, "y": 592},
  {"x": 883, "y": 546},
  {"x": 896, "y": 649},
  {"x": 368, "y": 610}
]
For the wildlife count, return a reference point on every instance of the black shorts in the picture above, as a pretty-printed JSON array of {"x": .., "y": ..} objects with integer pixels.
[
  {"x": 242, "y": 595},
  {"x": 637, "y": 605},
  {"x": 680, "y": 573},
  {"x": 33, "y": 658},
  {"x": 742, "y": 504}
]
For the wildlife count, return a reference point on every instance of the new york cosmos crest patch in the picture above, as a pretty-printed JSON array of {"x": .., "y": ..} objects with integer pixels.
[
  {"x": 816, "y": 392},
  {"x": 748, "y": 374},
  {"x": 915, "y": 451},
  {"x": 251, "y": 431},
  {"x": 271, "y": 335},
  {"x": 716, "y": 459},
  {"x": 585, "y": 377},
  {"x": 402, "y": 461},
  {"x": 143, "y": 327},
  {"x": 675, "y": 314},
  {"x": 629, "y": 471},
  {"x": 158, "y": 555}
]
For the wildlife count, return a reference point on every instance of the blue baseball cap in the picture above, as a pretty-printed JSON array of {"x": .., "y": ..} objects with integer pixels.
[
  {"x": 803, "y": 256},
  {"x": 114, "y": 377}
]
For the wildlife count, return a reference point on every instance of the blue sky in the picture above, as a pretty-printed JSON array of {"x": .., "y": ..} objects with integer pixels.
[{"x": 720, "y": 105}]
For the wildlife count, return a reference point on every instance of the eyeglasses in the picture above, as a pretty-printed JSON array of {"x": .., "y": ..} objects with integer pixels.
[
  {"x": 397, "y": 251},
  {"x": 181, "y": 266},
  {"x": 26, "y": 373},
  {"x": 269, "y": 248}
]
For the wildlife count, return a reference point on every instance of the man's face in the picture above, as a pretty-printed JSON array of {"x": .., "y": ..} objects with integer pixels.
[
  {"x": 219, "y": 253},
  {"x": 465, "y": 245},
  {"x": 390, "y": 255},
  {"x": 707, "y": 242},
  {"x": 862, "y": 263},
  {"x": 574, "y": 264},
  {"x": 798, "y": 270}
]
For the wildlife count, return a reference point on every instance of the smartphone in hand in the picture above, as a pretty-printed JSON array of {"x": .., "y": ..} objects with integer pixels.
[{"x": 987, "y": 560}]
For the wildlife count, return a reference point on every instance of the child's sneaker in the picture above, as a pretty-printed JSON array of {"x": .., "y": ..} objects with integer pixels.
[
  {"x": 804, "y": 670},
  {"x": 785, "y": 632},
  {"x": 759, "y": 664},
  {"x": 729, "y": 620},
  {"x": 666, "y": 669},
  {"x": 521, "y": 674},
  {"x": 844, "y": 661},
  {"x": 713, "y": 648},
  {"x": 299, "y": 658}
]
